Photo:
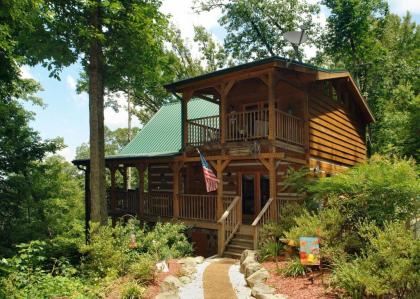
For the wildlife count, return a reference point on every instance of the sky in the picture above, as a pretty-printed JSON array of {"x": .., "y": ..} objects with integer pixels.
[{"x": 67, "y": 113}]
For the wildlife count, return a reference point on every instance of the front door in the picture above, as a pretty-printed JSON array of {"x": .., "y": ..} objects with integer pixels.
[{"x": 255, "y": 194}]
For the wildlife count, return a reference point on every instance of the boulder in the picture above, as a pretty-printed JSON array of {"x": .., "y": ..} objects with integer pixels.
[
  {"x": 261, "y": 289},
  {"x": 248, "y": 260},
  {"x": 251, "y": 268},
  {"x": 168, "y": 295},
  {"x": 245, "y": 254},
  {"x": 260, "y": 276},
  {"x": 170, "y": 284}
]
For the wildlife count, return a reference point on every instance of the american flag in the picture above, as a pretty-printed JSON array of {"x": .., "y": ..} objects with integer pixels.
[{"x": 209, "y": 177}]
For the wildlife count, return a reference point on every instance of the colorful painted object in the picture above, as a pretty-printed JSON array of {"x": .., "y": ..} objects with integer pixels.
[{"x": 309, "y": 251}]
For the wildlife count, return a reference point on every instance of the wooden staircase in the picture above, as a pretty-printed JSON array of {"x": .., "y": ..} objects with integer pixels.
[{"x": 241, "y": 240}]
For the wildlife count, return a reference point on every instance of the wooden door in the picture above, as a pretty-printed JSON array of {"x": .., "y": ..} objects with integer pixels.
[{"x": 255, "y": 190}]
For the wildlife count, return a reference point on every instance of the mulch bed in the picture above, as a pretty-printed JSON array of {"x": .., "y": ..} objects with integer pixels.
[
  {"x": 298, "y": 287},
  {"x": 153, "y": 288}
]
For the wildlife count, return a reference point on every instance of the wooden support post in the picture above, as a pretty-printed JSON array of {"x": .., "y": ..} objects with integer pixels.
[
  {"x": 219, "y": 205},
  {"x": 221, "y": 239},
  {"x": 140, "y": 171},
  {"x": 220, "y": 167},
  {"x": 273, "y": 188},
  {"x": 223, "y": 104},
  {"x": 184, "y": 114},
  {"x": 271, "y": 107},
  {"x": 113, "y": 194},
  {"x": 176, "y": 167},
  {"x": 306, "y": 126},
  {"x": 88, "y": 204}
]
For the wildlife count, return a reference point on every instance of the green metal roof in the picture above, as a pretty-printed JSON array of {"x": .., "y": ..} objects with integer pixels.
[{"x": 162, "y": 134}]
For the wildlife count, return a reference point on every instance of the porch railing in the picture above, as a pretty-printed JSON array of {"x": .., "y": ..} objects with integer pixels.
[
  {"x": 229, "y": 223},
  {"x": 203, "y": 130},
  {"x": 127, "y": 201},
  {"x": 262, "y": 218},
  {"x": 247, "y": 125},
  {"x": 289, "y": 128},
  {"x": 197, "y": 207},
  {"x": 158, "y": 204}
]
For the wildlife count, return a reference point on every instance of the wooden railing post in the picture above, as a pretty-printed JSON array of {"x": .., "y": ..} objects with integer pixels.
[
  {"x": 221, "y": 239},
  {"x": 271, "y": 107}
]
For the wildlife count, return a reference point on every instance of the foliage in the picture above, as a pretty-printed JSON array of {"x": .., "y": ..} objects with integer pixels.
[
  {"x": 114, "y": 142},
  {"x": 255, "y": 28},
  {"x": 294, "y": 268},
  {"x": 272, "y": 233},
  {"x": 44, "y": 203},
  {"x": 389, "y": 265},
  {"x": 132, "y": 290},
  {"x": 143, "y": 270},
  {"x": 371, "y": 192}
]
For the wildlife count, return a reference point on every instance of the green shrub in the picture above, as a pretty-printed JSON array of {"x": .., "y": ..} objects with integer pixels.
[
  {"x": 388, "y": 267},
  {"x": 143, "y": 269},
  {"x": 293, "y": 268},
  {"x": 165, "y": 240},
  {"x": 132, "y": 290}
]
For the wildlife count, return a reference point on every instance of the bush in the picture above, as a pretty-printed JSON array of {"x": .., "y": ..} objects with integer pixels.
[
  {"x": 294, "y": 268},
  {"x": 166, "y": 240},
  {"x": 272, "y": 233},
  {"x": 389, "y": 266},
  {"x": 143, "y": 270},
  {"x": 132, "y": 290}
]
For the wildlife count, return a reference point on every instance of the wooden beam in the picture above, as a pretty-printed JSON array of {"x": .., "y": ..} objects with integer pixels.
[
  {"x": 273, "y": 188},
  {"x": 176, "y": 167},
  {"x": 186, "y": 96},
  {"x": 219, "y": 205},
  {"x": 306, "y": 125},
  {"x": 271, "y": 108},
  {"x": 279, "y": 155},
  {"x": 140, "y": 170}
]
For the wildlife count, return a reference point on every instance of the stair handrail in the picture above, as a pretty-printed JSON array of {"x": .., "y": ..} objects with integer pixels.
[
  {"x": 229, "y": 223},
  {"x": 260, "y": 220}
]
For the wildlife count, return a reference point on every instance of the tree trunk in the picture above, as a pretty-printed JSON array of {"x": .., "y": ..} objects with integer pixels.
[{"x": 99, "y": 211}]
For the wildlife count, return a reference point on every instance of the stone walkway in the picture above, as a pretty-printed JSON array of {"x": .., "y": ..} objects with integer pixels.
[{"x": 216, "y": 279}]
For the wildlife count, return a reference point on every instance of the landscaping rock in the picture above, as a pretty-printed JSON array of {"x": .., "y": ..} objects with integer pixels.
[
  {"x": 199, "y": 259},
  {"x": 260, "y": 276},
  {"x": 247, "y": 253},
  {"x": 261, "y": 289},
  {"x": 185, "y": 279},
  {"x": 248, "y": 260},
  {"x": 168, "y": 295},
  {"x": 170, "y": 284},
  {"x": 251, "y": 268},
  {"x": 187, "y": 270}
]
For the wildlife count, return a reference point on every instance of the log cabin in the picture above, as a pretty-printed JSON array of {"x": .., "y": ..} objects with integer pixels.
[{"x": 253, "y": 122}]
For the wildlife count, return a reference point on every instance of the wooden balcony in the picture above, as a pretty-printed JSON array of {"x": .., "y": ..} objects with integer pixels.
[{"x": 246, "y": 126}]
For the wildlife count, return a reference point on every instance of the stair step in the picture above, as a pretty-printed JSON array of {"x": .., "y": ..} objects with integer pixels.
[
  {"x": 242, "y": 242},
  {"x": 243, "y": 237},
  {"x": 233, "y": 255}
]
